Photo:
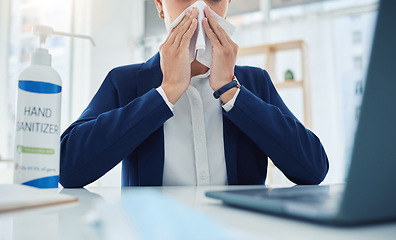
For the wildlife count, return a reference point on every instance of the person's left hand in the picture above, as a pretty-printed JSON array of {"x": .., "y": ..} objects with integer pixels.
[{"x": 224, "y": 52}]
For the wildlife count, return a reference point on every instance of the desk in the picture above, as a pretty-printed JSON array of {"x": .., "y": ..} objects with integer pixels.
[{"x": 69, "y": 221}]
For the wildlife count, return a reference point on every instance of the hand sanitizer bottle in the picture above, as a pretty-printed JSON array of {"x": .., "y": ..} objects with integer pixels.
[{"x": 37, "y": 138}]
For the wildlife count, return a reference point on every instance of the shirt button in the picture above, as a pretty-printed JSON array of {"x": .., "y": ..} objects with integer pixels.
[
  {"x": 203, "y": 176},
  {"x": 199, "y": 137}
]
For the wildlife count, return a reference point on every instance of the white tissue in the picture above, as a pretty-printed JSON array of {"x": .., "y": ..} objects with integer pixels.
[{"x": 200, "y": 46}]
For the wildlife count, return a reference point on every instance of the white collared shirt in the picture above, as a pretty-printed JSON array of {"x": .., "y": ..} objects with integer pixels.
[{"x": 194, "y": 145}]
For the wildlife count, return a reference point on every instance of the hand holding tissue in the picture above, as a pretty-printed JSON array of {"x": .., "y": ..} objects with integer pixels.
[{"x": 200, "y": 45}]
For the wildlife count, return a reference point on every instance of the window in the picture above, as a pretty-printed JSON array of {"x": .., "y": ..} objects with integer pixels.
[
  {"x": 356, "y": 37},
  {"x": 21, "y": 42},
  {"x": 358, "y": 63}
]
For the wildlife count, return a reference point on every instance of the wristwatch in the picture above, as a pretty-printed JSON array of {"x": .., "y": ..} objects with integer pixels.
[{"x": 225, "y": 88}]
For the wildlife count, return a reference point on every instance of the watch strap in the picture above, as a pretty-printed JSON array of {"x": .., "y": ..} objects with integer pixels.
[{"x": 225, "y": 88}]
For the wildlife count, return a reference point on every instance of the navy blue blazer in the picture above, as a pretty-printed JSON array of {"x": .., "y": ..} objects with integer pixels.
[{"x": 124, "y": 122}]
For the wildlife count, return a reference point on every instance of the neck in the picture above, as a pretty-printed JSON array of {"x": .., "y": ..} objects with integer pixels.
[{"x": 198, "y": 68}]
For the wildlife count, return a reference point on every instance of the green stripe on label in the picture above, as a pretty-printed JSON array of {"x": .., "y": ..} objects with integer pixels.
[{"x": 34, "y": 150}]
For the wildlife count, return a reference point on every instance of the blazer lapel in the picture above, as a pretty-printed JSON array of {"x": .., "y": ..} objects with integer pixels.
[
  {"x": 150, "y": 153},
  {"x": 230, "y": 149},
  {"x": 230, "y": 134}
]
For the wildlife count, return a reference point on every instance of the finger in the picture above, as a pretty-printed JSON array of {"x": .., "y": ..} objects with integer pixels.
[
  {"x": 185, "y": 25},
  {"x": 217, "y": 29},
  {"x": 183, "y": 29},
  {"x": 175, "y": 31},
  {"x": 186, "y": 21},
  {"x": 167, "y": 40},
  {"x": 185, "y": 42},
  {"x": 231, "y": 42},
  {"x": 209, "y": 32}
]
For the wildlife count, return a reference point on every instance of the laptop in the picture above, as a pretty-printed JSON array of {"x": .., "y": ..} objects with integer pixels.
[{"x": 369, "y": 194}]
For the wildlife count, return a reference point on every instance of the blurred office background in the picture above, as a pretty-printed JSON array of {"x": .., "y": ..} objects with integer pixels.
[{"x": 328, "y": 71}]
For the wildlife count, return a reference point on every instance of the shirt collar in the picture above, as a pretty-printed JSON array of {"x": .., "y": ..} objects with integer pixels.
[{"x": 201, "y": 76}]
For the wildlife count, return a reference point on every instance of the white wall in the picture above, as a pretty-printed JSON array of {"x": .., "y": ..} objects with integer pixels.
[
  {"x": 4, "y": 30},
  {"x": 5, "y": 167},
  {"x": 114, "y": 26}
]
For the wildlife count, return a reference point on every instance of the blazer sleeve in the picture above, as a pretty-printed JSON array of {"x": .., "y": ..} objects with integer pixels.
[
  {"x": 106, "y": 133},
  {"x": 295, "y": 150}
]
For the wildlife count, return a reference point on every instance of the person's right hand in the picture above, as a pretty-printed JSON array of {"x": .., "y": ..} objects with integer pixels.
[{"x": 175, "y": 57}]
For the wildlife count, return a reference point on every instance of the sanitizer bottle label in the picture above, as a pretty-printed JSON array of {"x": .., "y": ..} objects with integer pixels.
[{"x": 37, "y": 148}]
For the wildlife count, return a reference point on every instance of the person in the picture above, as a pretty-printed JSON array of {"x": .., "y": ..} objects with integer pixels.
[{"x": 161, "y": 120}]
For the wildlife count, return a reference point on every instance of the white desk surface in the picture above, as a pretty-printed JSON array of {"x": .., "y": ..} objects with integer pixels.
[{"x": 69, "y": 221}]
